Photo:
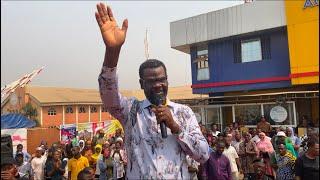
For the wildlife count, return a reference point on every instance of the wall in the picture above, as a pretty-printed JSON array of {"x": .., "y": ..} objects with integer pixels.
[
  {"x": 36, "y": 135},
  {"x": 70, "y": 118},
  {"x": 303, "y": 38},
  {"x": 83, "y": 117},
  {"x": 223, "y": 69},
  {"x": 51, "y": 120}
]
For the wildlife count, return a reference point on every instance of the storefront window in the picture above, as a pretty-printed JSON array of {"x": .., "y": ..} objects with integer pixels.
[
  {"x": 213, "y": 116},
  {"x": 286, "y": 114},
  {"x": 197, "y": 113},
  {"x": 248, "y": 114}
]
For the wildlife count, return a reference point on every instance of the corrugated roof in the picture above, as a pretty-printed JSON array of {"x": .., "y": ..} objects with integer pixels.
[{"x": 56, "y": 95}]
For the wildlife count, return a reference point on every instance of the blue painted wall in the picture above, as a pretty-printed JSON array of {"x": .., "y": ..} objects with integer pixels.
[{"x": 223, "y": 68}]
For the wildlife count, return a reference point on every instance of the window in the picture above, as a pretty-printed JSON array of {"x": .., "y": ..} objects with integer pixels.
[
  {"x": 251, "y": 50},
  {"x": 52, "y": 112},
  {"x": 69, "y": 109},
  {"x": 202, "y": 65},
  {"x": 249, "y": 114},
  {"x": 103, "y": 109},
  {"x": 93, "y": 110},
  {"x": 82, "y": 109},
  {"x": 213, "y": 116}
]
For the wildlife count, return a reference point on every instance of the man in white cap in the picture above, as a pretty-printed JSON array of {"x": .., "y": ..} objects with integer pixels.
[{"x": 37, "y": 165}]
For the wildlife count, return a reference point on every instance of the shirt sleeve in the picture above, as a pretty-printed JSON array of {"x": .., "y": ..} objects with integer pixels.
[
  {"x": 113, "y": 101},
  {"x": 190, "y": 138}
]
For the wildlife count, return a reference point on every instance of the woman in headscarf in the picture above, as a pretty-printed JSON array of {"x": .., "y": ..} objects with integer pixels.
[
  {"x": 81, "y": 145},
  {"x": 264, "y": 145},
  {"x": 95, "y": 157},
  {"x": 296, "y": 141}
]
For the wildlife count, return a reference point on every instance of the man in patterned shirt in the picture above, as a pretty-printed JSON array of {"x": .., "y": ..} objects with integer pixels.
[{"x": 149, "y": 155}]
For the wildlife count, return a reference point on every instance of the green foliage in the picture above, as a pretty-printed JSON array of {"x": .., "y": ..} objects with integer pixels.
[{"x": 31, "y": 112}]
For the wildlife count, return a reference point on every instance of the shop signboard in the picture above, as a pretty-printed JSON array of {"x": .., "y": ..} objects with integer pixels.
[{"x": 278, "y": 114}]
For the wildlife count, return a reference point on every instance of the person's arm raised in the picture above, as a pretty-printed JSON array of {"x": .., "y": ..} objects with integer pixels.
[
  {"x": 112, "y": 35},
  {"x": 113, "y": 38}
]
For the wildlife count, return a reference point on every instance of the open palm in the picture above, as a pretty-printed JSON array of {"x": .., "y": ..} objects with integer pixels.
[{"x": 112, "y": 35}]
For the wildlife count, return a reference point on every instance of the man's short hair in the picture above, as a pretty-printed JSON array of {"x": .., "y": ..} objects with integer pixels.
[
  {"x": 85, "y": 174},
  {"x": 151, "y": 63}
]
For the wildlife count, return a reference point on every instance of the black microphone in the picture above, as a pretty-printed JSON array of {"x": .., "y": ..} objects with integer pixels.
[{"x": 159, "y": 100}]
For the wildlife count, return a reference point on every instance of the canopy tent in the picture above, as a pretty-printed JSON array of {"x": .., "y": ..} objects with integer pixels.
[{"x": 14, "y": 121}]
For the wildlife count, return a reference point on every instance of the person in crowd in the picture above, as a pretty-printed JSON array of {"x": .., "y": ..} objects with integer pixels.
[
  {"x": 76, "y": 164},
  {"x": 218, "y": 165},
  {"x": 153, "y": 157},
  {"x": 282, "y": 138},
  {"x": 117, "y": 135},
  {"x": 8, "y": 168},
  {"x": 214, "y": 142},
  {"x": 311, "y": 133},
  {"x": 105, "y": 164},
  {"x": 237, "y": 140},
  {"x": 305, "y": 122},
  {"x": 284, "y": 163},
  {"x": 247, "y": 153},
  {"x": 264, "y": 145},
  {"x": 38, "y": 164},
  {"x": 74, "y": 140},
  {"x": 307, "y": 165},
  {"x": 118, "y": 161},
  {"x": 26, "y": 155},
  {"x": 214, "y": 130},
  {"x": 264, "y": 125},
  {"x": 221, "y": 136},
  {"x": 23, "y": 167},
  {"x": 255, "y": 137},
  {"x": 81, "y": 145},
  {"x": 95, "y": 156},
  {"x": 99, "y": 138},
  {"x": 265, "y": 149},
  {"x": 87, "y": 152},
  {"x": 86, "y": 174},
  {"x": 233, "y": 157},
  {"x": 55, "y": 168},
  {"x": 192, "y": 167},
  {"x": 296, "y": 141},
  {"x": 259, "y": 171}
]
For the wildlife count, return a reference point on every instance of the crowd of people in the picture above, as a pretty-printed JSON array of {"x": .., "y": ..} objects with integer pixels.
[
  {"x": 98, "y": 157},
  {"x": 264, "y": 152},
  {"x": 235, "y": 153}
]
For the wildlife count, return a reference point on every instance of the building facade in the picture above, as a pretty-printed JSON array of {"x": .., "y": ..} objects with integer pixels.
[
  {"x": 254, "y": 59},
  {"x": 57, "y": 106}
]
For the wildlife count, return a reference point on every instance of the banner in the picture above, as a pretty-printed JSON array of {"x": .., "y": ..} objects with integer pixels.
[
  {"x": 18, "y": 136},
  {"x": 67, "y": 132}
]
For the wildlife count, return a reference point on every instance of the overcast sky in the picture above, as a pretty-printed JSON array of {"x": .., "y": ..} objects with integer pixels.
[{"x": 64, "y": 37}]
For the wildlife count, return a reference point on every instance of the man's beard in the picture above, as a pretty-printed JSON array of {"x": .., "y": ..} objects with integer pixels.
[{"x": 156, "y": 98}]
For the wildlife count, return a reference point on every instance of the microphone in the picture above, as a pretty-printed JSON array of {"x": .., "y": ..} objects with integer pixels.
[{"x": 160, "y": 100}]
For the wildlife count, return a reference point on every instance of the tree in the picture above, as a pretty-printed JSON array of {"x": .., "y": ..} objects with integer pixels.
[{"x": 30, "y": 111}]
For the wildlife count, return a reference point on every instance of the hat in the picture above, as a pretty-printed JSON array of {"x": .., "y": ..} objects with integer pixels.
[
  {"x": 119, "y": 139},
  {"x": 281, "y": 133}
]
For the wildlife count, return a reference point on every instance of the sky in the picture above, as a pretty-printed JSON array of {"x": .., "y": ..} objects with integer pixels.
[{"x": 63, "y": 36}]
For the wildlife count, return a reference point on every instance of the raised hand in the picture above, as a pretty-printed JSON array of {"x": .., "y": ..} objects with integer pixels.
[{"x": 112, "y": 35}]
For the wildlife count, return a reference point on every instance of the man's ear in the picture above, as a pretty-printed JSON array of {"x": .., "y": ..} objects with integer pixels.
[{"x": 141, "y": 83}]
